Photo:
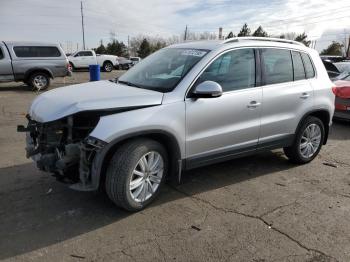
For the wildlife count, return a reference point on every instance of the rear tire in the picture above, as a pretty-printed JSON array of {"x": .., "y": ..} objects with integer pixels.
[
  {"x": 307, "y": 142},
  {"x": 39, "y": 81},
  {"x": 108, "y": 67},
  {"x": 136, "y": 174}
]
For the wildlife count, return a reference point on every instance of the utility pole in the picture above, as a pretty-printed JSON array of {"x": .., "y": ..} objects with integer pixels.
[
  {"x": 185, "y": 37},
  {"x": 348, "y": 49},
  {"x": 129, "y": 45},
  {"x": 82, "y": 23}
]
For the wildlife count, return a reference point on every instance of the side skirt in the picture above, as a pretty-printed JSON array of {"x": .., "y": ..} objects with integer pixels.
[{"x": 199, "y": 161}]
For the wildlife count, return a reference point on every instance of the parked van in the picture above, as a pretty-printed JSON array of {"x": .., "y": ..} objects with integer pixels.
[{"x": 32, "y": 63}]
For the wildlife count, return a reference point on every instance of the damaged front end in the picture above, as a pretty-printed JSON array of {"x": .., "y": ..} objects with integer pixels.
[{"x": 63, "y": 147}]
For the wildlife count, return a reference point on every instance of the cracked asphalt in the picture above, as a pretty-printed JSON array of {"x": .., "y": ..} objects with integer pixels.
[{"x": 257, "y": 209}]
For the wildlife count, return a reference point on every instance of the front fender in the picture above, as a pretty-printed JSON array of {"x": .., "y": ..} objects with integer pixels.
[
  {"x": 166, "y": 120},
  {"x": 169, "y": 118}
]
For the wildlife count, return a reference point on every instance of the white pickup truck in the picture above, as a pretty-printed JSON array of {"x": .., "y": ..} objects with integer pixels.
[{"x": 82, "y": 59}]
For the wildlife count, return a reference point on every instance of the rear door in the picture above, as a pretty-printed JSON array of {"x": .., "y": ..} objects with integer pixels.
[
  {"x": 6, "y": 73},
  {"x": 287, "y": 95}
]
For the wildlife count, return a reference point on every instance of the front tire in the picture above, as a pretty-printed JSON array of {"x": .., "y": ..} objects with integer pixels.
[
  {"x": 39, "y": 81},
  {"x": 136, "y": 173},
  {"x": 308, "y": 141}
]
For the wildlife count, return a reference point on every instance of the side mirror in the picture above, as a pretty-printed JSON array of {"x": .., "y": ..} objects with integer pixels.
[{"x": 207, "y": 89}]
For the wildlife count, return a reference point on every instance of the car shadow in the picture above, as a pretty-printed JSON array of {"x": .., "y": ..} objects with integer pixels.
[
  {"x": 342, "y": 128},
  {"x": 19, "y": 87},
  {"x": 38, "y": 211}
]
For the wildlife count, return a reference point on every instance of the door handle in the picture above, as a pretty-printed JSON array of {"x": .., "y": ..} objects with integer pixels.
[
  {"x": 304, "y": 95},
  {"x": 253, "y": 104}
]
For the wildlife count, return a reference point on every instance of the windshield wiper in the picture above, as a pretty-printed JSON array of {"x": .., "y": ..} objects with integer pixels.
[{"x": 128, "y": 83}]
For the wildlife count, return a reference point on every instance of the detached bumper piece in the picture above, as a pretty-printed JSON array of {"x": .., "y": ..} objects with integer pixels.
[{"x": 88, "y": 151}]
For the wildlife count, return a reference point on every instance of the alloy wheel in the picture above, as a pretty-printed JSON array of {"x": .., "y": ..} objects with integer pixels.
[
  {"x": 39, "y": 82},
  {"x": 310, "y": 140},
  {"x": 108, "y": 67},
  {"x": 146, "y": 176}
]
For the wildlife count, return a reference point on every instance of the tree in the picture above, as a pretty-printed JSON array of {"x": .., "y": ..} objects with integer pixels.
[
  {"x": 335, "y": 48},
  {"x": 245, "y": 31},
  {"x": 101, "y": 49},
  {"x": 158, "y": 45},
  {"x": 144, "y": 49},
  {"x": 117, "y": 48},
  {"x": 230, "y": 35},
  {"x": 260, "y": 32},
  {"x": 288, "y": 35},
  {"x": 303, "y": 39}
]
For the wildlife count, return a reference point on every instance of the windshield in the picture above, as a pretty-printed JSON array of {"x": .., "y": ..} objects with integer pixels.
[{"x": 163, "y": 70}]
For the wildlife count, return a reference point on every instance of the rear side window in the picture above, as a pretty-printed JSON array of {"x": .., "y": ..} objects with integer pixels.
[
  {"x": 85, "y": 53},
  {"x": 277, "y": 65},
  {"x": 309, "y": 69},
  {"x": 1, "y": 54},
  {"x": 299, "y": 72},
  {"x": 36, "y": 51},
  {"x": 233, "y": 70}
]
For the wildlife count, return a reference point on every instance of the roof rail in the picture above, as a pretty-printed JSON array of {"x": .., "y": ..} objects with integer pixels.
[{"x": 268, "y": 39}]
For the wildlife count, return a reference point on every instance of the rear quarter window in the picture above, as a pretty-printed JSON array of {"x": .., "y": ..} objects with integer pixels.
[
  {"x": 309, "y": 68},
  {"x": 36, "y": 51}
]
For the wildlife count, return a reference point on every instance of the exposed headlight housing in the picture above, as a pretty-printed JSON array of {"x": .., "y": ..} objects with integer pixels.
[{"x": 95, "y": 142}]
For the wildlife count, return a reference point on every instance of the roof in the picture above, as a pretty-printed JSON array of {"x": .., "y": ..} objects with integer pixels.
[
  {"x": 207, "y": 45},
  {"x": 240, "y": 41},
  {"x": 22, "y": 43}
]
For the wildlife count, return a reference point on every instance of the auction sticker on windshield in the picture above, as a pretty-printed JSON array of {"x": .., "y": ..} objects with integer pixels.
[{"x": 193, "y": 52}]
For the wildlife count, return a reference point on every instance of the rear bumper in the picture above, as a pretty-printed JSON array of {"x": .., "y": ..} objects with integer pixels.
[
  {"x": 345, "y": 115},
  {"x": 342, "y": 108}
]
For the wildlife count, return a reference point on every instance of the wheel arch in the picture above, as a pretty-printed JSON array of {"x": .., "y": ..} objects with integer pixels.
[
  {"x": 72, "y": 64},
  {"x": 168, "y": 140},
  {"x": 31, "y": 71},
  {"x": 107, "y": 61},
  {"x": 321, "y": 114}
]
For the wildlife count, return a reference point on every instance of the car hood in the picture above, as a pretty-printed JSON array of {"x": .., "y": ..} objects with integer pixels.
[{"x": 101, "y": 95}]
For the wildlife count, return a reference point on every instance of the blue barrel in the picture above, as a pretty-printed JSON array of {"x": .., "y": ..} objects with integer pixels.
[{"x": 94, "y": 72}]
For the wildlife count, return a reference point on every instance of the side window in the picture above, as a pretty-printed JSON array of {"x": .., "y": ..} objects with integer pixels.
[
  {"x": 86, "y": 53},
  {"x": 309, "y": 69},
  {"x": 298, "y": 66},
  {"x": 233, "y": 70},
  {"x": 36, "y": 51},
  {"x": 1, "y": 54},
  {"x": 77, "y": 54},
  {"x": 278, "y": 66}
]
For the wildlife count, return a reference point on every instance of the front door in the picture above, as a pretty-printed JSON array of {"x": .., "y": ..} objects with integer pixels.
[{"x": 221, "y": 127}]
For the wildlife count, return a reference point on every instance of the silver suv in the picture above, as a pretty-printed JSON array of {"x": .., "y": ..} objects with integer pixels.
[{"x": 185, "y": 106}]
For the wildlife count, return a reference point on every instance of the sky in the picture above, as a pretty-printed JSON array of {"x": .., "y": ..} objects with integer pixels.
[{"x": 60, "y": 20}]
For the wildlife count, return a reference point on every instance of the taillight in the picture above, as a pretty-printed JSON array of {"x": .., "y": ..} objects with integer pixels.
[
  {"x": 69, "y": 67},
  {"x": 342, "y": 89},
  {"x": 335, "y": 90}
]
